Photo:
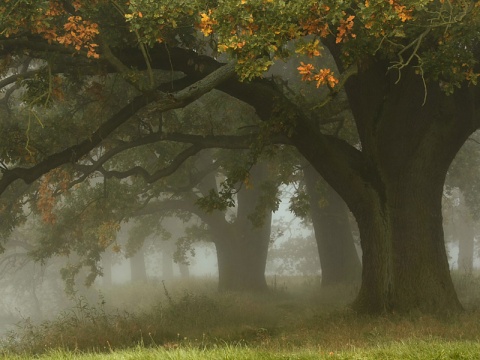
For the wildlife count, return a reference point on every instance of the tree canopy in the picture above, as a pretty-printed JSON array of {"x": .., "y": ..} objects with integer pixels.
[{"x": 409, "y": 70}]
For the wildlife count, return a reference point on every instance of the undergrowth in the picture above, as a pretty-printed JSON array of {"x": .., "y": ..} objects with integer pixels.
[{"x": 296, "y": 315}]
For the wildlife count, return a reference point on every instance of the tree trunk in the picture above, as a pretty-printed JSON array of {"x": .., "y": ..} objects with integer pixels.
[
  {"x": 167, "y": 263},
  {"x": 465, "y": 233},
  {"x": 392, "y": 181},
  {"x": 242, "y": 261},
  {"x": 405, "y": 266},
  {"x": 411, "y": 144},
  {"x": 242, "y": 247},
  {"x": 184, "y": 270},
  {"x": 137, "y": 267},
  {"x": 338, "y": 256}
]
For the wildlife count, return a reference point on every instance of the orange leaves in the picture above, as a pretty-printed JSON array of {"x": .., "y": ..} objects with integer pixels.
[
  {"x": 316, "y": 26},
  {"x": 52, "y": 182},
  {"x": 306, "y": 71},
  {"x": 79, "y": 34},
  {"x": 46, "y": 200},
  {"x": 403, "y": 13},
  {"x": 345, "y": 29},
  {"x": 322, "y": 77}
]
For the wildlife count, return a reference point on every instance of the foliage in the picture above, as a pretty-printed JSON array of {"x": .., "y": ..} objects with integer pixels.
[
  {"x": 297, "y": 255},
  {"x": 88, "y": 83}
]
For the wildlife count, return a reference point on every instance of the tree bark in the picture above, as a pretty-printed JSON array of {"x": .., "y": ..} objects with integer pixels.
[
  {"x": 336, "y": 248},
  {"x": 392, "y": 181}
]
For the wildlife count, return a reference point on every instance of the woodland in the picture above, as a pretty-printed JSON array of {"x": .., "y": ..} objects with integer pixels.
[{"x": 116, "y": 116}]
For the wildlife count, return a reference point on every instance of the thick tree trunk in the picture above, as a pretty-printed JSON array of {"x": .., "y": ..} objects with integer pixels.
[
  {"x": 338, "y": 256},
  {"x": 242, "y": 247},
  {"x": 411, "y": 144},
  {"x": 405, "y": 265},
  {"x": 392, "y": 181},
  {"x": 241, "y": 263}
]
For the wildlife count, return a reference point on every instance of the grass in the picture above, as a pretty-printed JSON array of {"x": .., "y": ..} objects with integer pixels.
[
  {"x": 438, "y": 350},
  {"x": 297, "y": 321}
]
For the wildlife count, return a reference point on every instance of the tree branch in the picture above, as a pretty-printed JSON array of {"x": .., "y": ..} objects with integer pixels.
[{"x": 161, "y": 102}]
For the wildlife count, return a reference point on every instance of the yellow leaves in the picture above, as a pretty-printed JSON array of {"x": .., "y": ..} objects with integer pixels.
[
  {"x": 311, "y": 49},
  {"x": 232, "y": 43},
  {"x": 322, "y": 77},
  {"x": 206, "y": 23}
]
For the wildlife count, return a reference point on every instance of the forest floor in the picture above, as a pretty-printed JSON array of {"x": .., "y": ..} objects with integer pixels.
[{"x": 296, "y": 320}]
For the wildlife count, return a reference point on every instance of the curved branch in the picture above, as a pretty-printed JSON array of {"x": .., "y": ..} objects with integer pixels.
[
  {"x": 199, "y": 142},
  {"x": 13, "y": 78},
  {"x": 161, "y": 102}
]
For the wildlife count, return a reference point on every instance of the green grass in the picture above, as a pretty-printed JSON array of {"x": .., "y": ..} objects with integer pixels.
[
  {"x": 298, "y": 321},
  {"x": 438, "y": 350}
]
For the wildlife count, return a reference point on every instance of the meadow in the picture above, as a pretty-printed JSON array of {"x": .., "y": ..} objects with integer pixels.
[{"x": 296, "y": 320}]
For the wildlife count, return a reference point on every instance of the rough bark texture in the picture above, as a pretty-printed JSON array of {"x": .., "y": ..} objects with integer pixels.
[
  {"x": 338, "y": 256},
  {"x": 411, "y": 145},
  {"x": 393, "y": 183}
]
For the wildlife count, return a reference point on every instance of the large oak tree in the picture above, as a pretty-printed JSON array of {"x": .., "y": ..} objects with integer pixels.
[{"x": 409, "y": 69}]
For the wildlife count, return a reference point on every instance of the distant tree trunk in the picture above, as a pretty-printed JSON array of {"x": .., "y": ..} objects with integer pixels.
[
  {"x": 338, "y": 256},
  {"x": 242, "y": 258},
  {"x": 466, "y": 243},
  {"x": 184, "y": 270},
  {"x": 167, "y": 264},
  {"x": 465, "y": 233},
  {"x": 242, "y": 247},
  {"x": 137, "y": 266},
  {"x": 107, "y": 268}
]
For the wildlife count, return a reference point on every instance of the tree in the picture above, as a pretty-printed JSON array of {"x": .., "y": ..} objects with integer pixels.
[
  {"x": 240, "y": 233},
  {"x": 409, "y": 69},
  {"x": 336, "y": 248}
]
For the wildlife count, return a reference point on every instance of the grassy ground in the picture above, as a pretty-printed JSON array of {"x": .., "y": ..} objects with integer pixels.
[
  {"x": 296, "y": 321},
  {"x": 438, "y": 350}
]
